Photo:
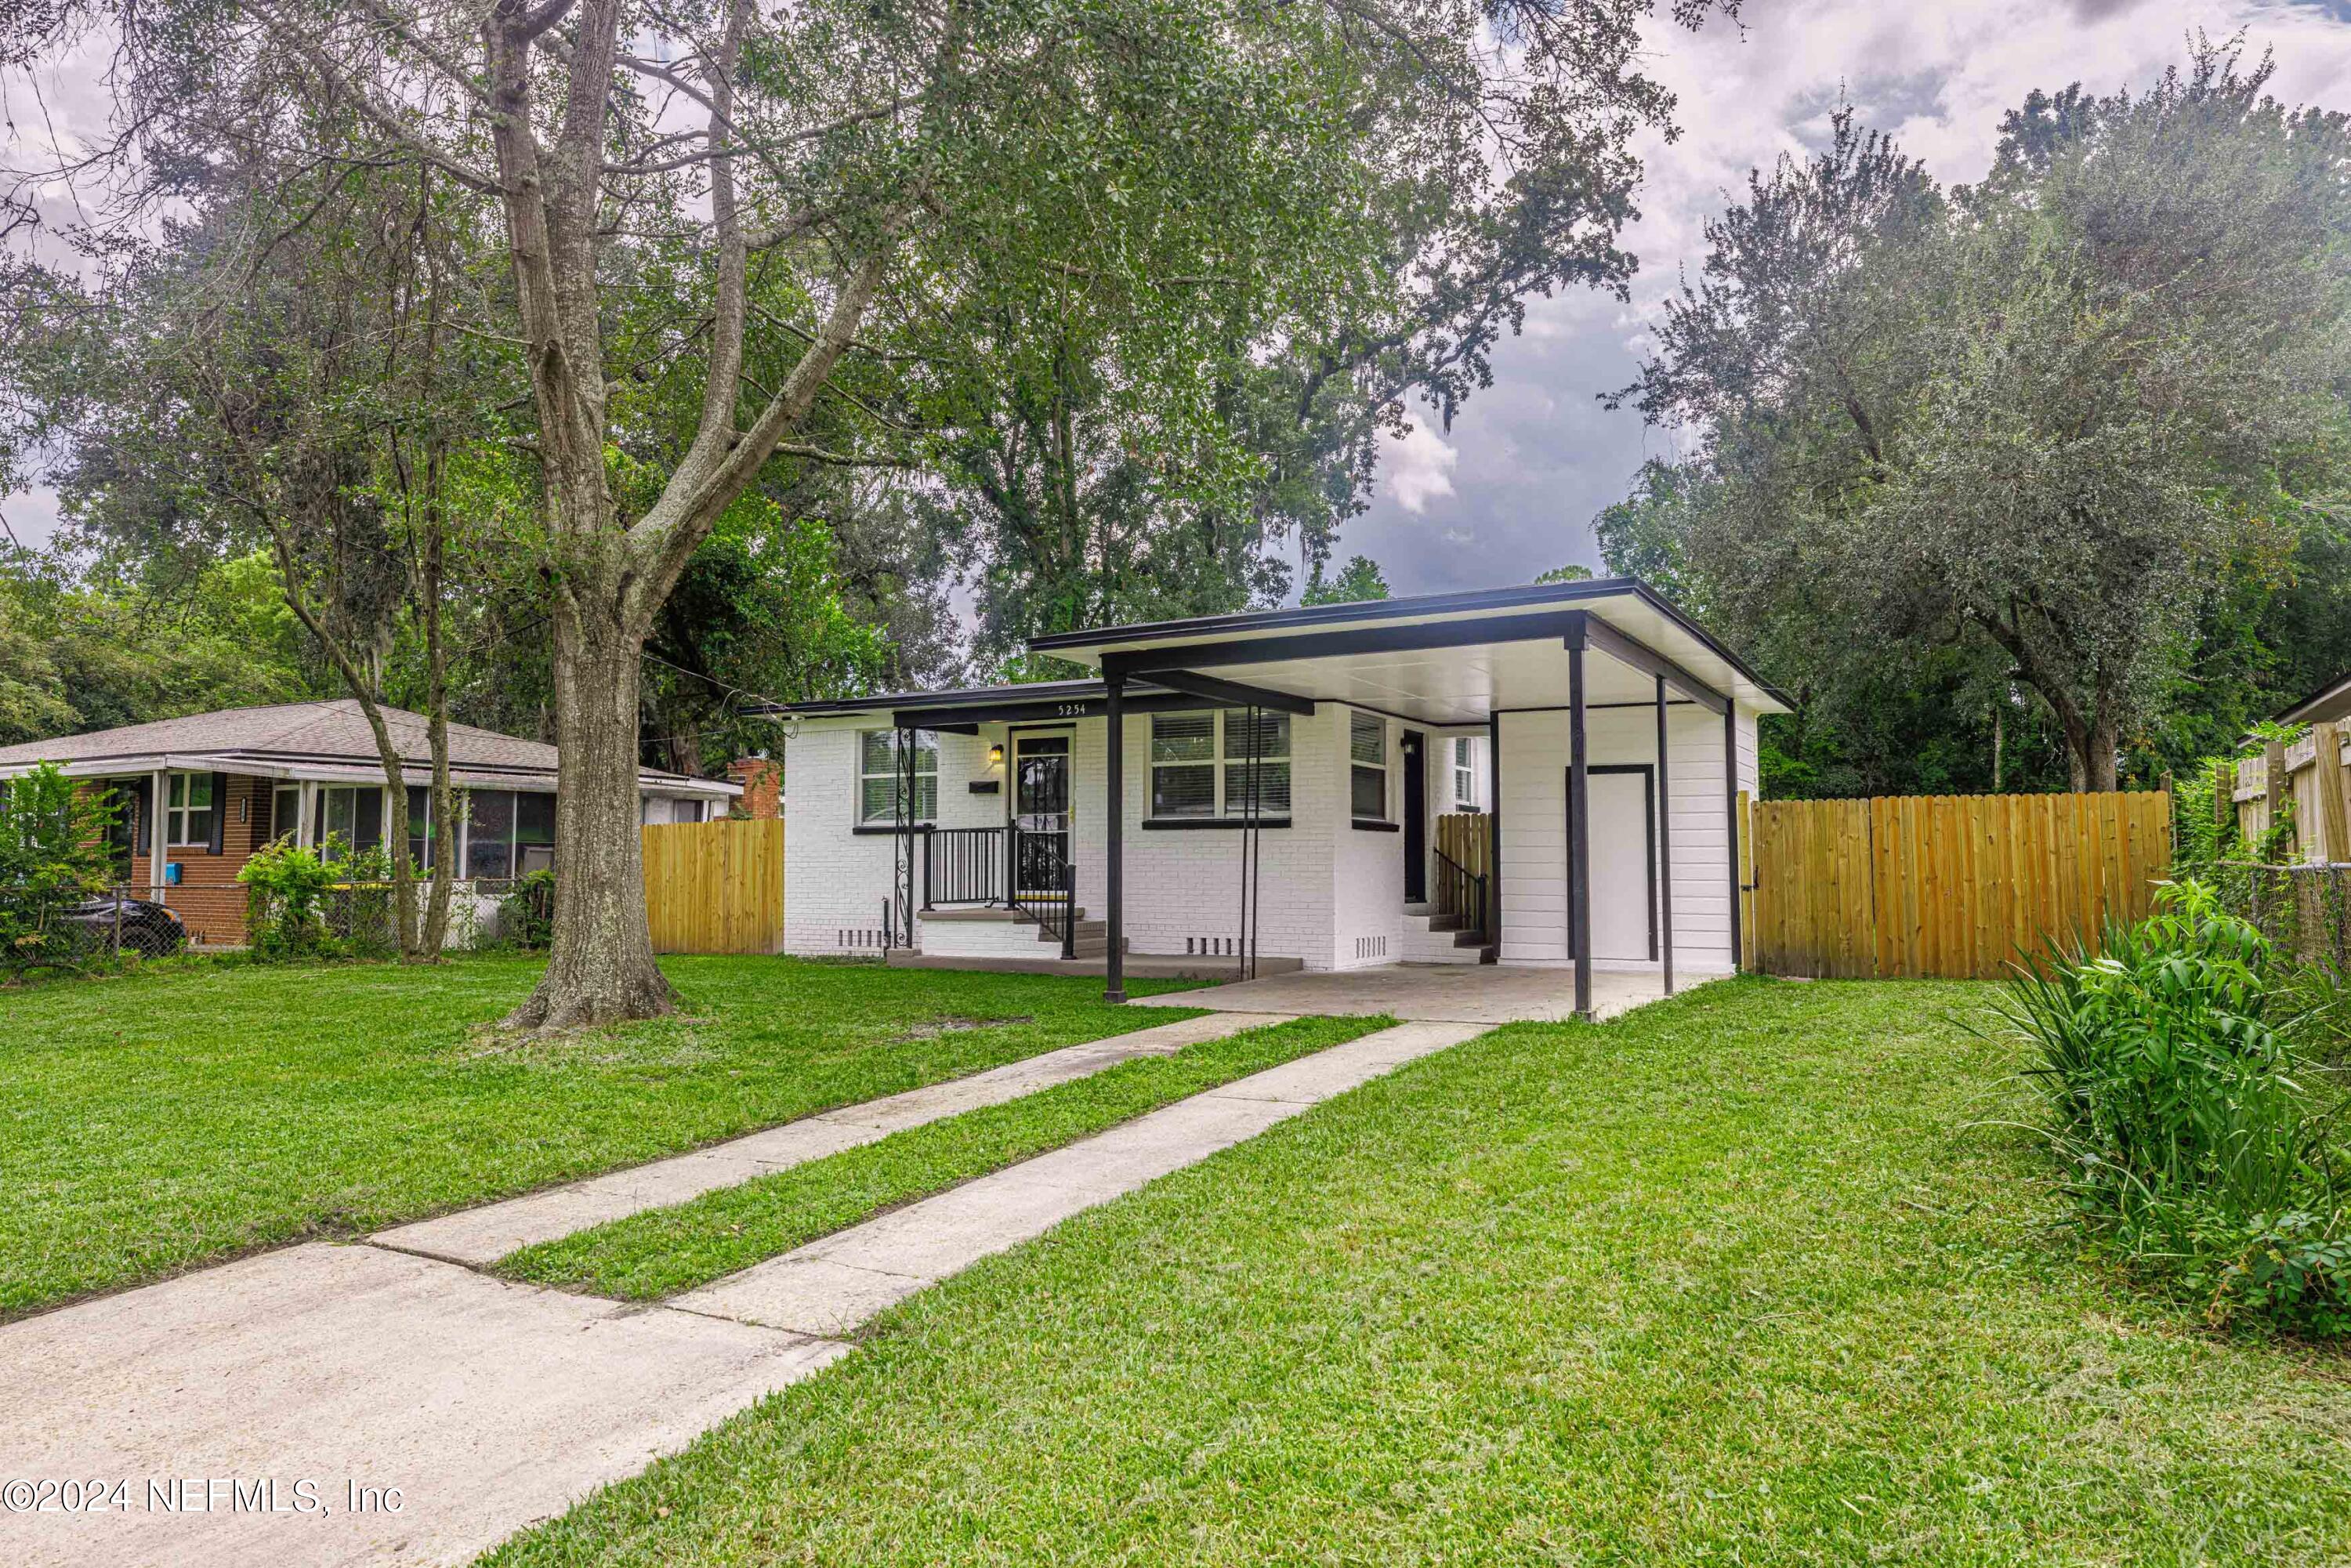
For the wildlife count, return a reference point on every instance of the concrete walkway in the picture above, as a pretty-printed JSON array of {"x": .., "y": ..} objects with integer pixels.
[
  {"x": 832, "y": 1285},
  {"x": 1454, "y": 993},
  {"x": 482, "y": 1235},
  {"x": 241, "y": 1406}
]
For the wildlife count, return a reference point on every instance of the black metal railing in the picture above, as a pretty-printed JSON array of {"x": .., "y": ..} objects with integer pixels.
[
  {"x": 963, "y": 865},
  {"x": 1045, "y": 885},
  {"x": 1461, "y": 894}
]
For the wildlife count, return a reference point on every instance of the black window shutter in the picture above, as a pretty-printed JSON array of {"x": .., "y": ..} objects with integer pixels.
[{"x": 220, "y": 809}]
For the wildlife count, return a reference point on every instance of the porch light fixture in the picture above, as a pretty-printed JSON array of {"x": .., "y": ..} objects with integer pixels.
[{"x": 996, "y": 754}]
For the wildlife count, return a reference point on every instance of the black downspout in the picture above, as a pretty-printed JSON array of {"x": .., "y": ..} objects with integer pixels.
[
  {"x": 1731, "y": 810},
  {"x": 1579, "y": 834},
  {"x": 1665, "y": 848},
  {"x": 1494, "y": 833},
  {"x": 1114, "y": 871}
]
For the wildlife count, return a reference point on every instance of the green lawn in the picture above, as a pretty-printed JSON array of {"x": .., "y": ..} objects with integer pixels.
[
  {"x": 1732, "y": 1281},
  {"x": 187, "y": 1114},
  {"x": 662, "y": 1251}
]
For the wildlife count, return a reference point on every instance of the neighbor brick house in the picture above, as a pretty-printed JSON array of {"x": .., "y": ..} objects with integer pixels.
[{"x": 197, "y": 797}]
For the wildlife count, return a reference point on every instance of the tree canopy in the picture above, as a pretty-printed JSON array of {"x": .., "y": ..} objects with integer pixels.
[{"x": 2015, "y": 438}]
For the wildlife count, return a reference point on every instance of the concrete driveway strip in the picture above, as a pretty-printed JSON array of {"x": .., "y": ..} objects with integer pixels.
[
  {"x": 834, "y": 1284},
  {"x": 481, "y": 1236},
  {"x": 249, "y": 1410},
  {"x": 331, "y": 1404}
]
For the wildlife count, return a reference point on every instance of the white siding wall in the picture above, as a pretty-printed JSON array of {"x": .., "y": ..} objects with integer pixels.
[{"x": 1534, "y": 825}]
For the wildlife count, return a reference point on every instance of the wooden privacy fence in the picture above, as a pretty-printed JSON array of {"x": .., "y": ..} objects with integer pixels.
[
  {"x": 1463, "y": 838},
  {"x": 1946, "y": 885},
  {"x": 714, "y": 888}
]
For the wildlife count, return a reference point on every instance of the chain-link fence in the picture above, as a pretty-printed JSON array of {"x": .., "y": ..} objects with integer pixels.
[
  {"x": 353, "y": 920},
  {"x": 2303, "y": 910}
]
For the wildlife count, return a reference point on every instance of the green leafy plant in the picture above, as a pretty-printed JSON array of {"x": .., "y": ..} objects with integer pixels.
[
  {"x": 2189, "y": 1136},
  {"x": 526, "y": 914},
  {"x": 286, "y": 891},
  {"x": 53, "y": 854}
]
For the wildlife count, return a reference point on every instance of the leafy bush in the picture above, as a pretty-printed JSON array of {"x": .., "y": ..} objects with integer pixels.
[
  {"x": 2189, "y": 1133},
  {"x": 285, "y": 888},
  {"x": 333, "y": 903},
  {"x": 53, "y": 854},
  {"x": 526, "y": 915}
]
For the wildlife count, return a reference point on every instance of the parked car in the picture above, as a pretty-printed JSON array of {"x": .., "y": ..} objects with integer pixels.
[{"x": 147, "y": 927}]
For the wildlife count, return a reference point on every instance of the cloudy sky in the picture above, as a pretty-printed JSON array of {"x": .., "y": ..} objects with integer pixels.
[{"x": 1513, "y": 487}]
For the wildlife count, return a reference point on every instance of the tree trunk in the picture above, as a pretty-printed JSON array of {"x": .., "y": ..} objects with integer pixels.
[
  {"x": 441, "y": 805},
  {"x": 601, "y": 969}
]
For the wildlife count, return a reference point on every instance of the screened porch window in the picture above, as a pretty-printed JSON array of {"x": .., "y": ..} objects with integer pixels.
[
  {"x": 353, "y": 814},
  {"x": 1465, "y": 773},
  {"x": 1367, "y": 772},
  {"x": 880, "y": 778}
]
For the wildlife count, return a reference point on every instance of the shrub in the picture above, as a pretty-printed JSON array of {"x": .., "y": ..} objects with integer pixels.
[
  {"x": 53, "y": 854},
  {"x": 526, "y": 914},
  {"x": 2189, "y": 1136},
  {"x": 285, "y": 888}
]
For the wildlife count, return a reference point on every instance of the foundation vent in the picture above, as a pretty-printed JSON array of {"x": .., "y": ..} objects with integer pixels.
[
  {"x": 1211, "y": 946},
  {"x": 1371, "y": 946}
]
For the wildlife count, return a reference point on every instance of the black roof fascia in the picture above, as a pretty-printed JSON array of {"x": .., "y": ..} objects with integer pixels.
[
  {"x": 1561, "y": 595},
  {"x": 1230, "y": 694}
]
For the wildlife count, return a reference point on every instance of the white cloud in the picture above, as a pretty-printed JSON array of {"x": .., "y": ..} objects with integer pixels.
[{"x": 1417, "y": 469}]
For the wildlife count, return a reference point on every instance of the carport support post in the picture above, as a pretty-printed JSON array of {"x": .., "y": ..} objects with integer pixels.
[
  {"x": 1579, "y": 831},
  {"x": 1665, "y": 849},
  {"x": 1731, "y": 811},
  {"x": 1115, "y": 833}
]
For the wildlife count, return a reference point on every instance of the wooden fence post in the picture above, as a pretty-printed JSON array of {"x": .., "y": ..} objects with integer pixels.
[
  {"x": 2274, "y": 781},
  {"x": 2332, "y": 832}
]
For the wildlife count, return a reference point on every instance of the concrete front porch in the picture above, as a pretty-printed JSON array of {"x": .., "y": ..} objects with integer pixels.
[{"x": 1485, "y": 993}]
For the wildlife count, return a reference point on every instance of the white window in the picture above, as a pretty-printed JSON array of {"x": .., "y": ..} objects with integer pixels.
[
  {"x": 188, "y": 821},
  {"x": 1367, "y": 756},
  {"x": 882, "y": 781},
  {"x": 1183, "y": 765},
  {"x": 1465, "y": 773},
  {"x": 1272, "y": 752},
  {"x": 1200, "y": 764}
]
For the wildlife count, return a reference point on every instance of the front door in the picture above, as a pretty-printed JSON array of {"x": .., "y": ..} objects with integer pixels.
[
  {"x": 1041, "y": 810},
  {"x": 1416, "y": 818},
  {"x": 1623, "y": 833}
]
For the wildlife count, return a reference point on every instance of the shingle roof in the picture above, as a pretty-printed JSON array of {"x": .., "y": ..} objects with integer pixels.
[{"x": 332, "y": 731}]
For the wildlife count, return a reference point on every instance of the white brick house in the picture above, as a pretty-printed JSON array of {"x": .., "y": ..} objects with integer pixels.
[{"x": 1373, "y": 725}]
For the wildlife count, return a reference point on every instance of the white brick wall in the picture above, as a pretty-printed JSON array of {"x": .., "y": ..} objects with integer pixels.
[{"x": 1534, "y": 825}]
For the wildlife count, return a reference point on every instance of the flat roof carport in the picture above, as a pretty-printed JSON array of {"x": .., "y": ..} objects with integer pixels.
[{"x": 1447, "y": 659}]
